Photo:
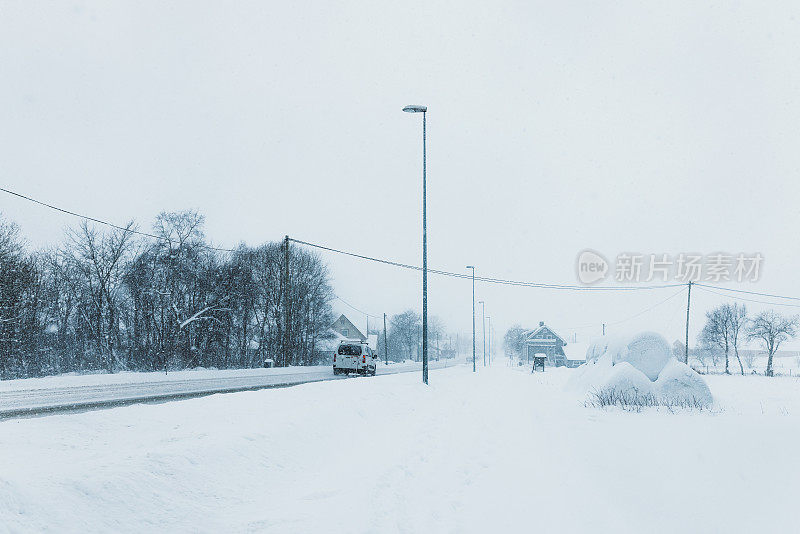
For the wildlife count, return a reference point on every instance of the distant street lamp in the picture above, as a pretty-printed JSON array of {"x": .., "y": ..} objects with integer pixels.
[
  {"x": 424, "y": 111},
  {"x": 473, "y": 316},
  {"x": 483, "y": 313}
]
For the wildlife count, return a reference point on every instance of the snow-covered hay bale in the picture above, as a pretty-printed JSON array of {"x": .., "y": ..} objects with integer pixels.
[
  {"x": 628, "y": 380},
  {"x": 639, "y": 369},
  {"x": 648, "y": 352},
  {"x": 680, "y": 384}
]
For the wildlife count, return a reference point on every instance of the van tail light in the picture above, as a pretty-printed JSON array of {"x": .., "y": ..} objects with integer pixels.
[
  {"x": 363, "y": 359},
  {"x": 334, "y": 357}
]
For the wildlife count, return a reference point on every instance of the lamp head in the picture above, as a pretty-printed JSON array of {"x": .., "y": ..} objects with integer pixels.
[{"x": 415, "y": 109}]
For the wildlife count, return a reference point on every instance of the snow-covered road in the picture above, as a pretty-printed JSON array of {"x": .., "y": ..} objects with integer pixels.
[{"x": 52, "y": 394}]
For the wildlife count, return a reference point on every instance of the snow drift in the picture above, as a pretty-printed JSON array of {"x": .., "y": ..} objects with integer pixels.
[{"x": 640, "y": 367}]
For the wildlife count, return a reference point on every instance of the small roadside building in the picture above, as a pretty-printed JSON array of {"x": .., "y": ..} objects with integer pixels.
[
  {"x": 544, "y": 341},
  {"x": 575, "y": 353}
]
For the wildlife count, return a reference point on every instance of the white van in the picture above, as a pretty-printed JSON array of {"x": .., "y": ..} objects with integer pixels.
[{"x": 354, "y": 356}]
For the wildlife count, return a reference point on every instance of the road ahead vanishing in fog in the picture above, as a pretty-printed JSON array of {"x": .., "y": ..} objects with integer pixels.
[{"x": 27, "y": 401}]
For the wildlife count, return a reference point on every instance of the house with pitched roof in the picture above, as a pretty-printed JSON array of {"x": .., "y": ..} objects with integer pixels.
[
  {"x": 344, "y": 326},
  {"x": 544, "y": 340}
]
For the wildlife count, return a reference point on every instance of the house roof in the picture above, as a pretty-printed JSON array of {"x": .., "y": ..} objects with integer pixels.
[
  {"x": 543, "y": 327},
  {"x": 343, "y": 318}
]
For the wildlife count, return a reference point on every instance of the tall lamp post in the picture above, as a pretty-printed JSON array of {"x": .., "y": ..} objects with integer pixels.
[
  {"x": 483, "y": 315},
  {"x": 473, "y": 316},
  {"x": 424, "y": 111}
]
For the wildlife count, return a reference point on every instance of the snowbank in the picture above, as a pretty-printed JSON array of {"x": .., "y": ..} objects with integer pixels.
[
  {"x": 640, "y": 366},
  {"x": 391, "y": 455}
]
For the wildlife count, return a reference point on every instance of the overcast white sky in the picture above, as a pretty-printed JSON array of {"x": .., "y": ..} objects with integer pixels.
[{"x": 659, "y": 127}]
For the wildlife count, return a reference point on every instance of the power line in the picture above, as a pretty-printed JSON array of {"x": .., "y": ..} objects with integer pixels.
[
  {"x": 356, "y": 309},
  {"x": 786, "y": 304},
  {"x": 486, "y": 279},
  {"x": 657, "y": 304},
  {"x": 772, "y": 295}
]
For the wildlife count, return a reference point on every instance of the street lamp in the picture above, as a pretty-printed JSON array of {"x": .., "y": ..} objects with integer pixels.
[
  {"x": 473, "y": 316},
  {"x": 483, "y": 314},
  {"x": 423, "y": 110}
]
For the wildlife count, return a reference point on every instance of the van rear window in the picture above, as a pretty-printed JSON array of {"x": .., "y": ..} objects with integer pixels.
[{"x": 349, "y": 350}]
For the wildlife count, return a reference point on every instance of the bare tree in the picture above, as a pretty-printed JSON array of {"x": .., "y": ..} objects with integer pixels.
[
  {"x": 771, "y": 329},
  {"x": 738, "y": 323},
  {"x": 99, "y": 260},
  {"x": 514, "y": 341},
  {"x": 701, "y": 354},
  {"x": 717, "y": 331},
  {"x": 436, "y": 330},
  {"x": 406, "y": 331},
  {"x": 20, "y": 303}
]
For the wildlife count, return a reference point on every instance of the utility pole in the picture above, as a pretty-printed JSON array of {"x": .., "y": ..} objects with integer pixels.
[
  {"x": 473, "y": 316},
  {"x": 686, "y": 348},
  {"x": 604, "y": 328},
  {"x": 286, "y": 337},
  {"x": 385, "y": 344},
  {"x": 483, "y": 323}
]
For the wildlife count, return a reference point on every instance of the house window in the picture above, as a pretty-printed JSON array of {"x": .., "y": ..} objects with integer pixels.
[{"x": 345, "y": 332}]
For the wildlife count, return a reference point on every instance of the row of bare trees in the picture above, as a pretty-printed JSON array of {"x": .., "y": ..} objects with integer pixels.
[
  {"x": 728, "y": 326},
  {"x": 404, "y": 338},
  {"x": 113, "y": 300}
]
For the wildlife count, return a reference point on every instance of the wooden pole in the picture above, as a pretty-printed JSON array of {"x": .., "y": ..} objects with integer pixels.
[
  {"x": 688, "y": 303},
  {"x": 286, "y": 338}
]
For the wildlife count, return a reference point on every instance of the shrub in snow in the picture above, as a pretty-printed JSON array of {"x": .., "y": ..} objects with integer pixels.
[{"x": 634, "y": 402}]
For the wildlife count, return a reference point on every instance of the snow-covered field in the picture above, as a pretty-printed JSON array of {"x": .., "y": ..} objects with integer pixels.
[
  {"x": 788, "y": 365},
  {"x": 498, "y": 451}
]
